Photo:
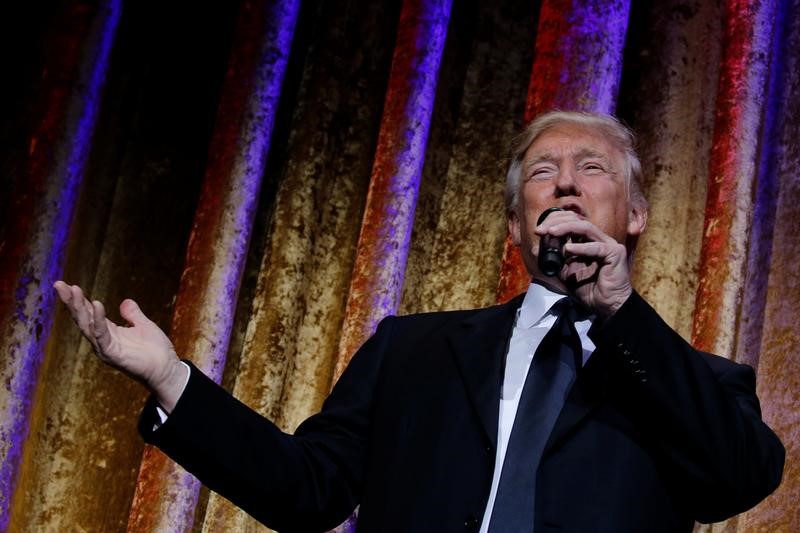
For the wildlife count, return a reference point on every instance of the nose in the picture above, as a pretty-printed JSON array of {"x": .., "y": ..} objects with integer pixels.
[{"x": 566, "y": 183}]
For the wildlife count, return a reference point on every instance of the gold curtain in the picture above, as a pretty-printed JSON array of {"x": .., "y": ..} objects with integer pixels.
[{"x": 230, "y": 154}]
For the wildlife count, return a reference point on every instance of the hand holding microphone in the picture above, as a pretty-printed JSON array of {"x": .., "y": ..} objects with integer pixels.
[{"x": 591, "y": 264}]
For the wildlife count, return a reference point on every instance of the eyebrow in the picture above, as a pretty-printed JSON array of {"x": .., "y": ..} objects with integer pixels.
[
  {"x": 588, "y": 153},
  {"x": 546, "y": 157},
  {"x": 580, "y": 154}
]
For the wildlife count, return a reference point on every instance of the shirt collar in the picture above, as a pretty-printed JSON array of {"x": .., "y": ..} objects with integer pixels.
[{"x": 537, "y": 304}]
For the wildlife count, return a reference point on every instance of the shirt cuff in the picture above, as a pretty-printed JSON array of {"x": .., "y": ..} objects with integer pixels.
[{"x": 162, "y": 414}]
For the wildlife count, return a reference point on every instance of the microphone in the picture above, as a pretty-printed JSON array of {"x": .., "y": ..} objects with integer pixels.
[{"x": 551, "y": 258}]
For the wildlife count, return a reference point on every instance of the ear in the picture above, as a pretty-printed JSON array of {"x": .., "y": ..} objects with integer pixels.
[
  {"x": 513, "y": 228},
  {"x": 637, "y": 220}
]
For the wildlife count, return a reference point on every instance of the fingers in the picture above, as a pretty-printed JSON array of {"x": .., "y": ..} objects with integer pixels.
[
  {"x": 79, "y": 308},
  {"x": 578, "y": 277},
  {"x": 555, "y": 218},
  {"x": 101, "y": 326},
  {"x": 596, "y": 250},
  {"x": 572, "y": 225},
  {"x": 83, "y": 312},
  {"x": 89, "y": 312},
  {"x": 63, "y": 291},
  {"x": 131, "y": 312}
]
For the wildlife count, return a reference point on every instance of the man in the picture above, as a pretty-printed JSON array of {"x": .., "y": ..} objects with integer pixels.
[{"x": 639, "y": 432}]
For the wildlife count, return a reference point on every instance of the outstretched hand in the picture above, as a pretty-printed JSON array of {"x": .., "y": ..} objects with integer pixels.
[{"x": 140, "y": 350}]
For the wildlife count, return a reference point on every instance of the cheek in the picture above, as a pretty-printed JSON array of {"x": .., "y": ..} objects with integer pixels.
[
  {"x": 535, "y": 200},
  {"x": 617, "y": 213}
]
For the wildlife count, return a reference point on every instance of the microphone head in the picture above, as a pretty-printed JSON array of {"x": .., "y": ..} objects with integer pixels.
[
  {"x": 546, "y": 213},
  {"x": 551, "y": 258}
]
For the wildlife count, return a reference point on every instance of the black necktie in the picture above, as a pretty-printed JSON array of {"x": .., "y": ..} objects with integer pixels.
[{"x": 550, "y": 377}]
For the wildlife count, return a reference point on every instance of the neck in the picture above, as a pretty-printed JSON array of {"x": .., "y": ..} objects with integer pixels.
[{"x": 551, "y": 283}]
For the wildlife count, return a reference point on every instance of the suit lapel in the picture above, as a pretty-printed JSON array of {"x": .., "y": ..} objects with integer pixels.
[
  {"x": 584, "y": 397},
  {"x": 479, "y": 346}
]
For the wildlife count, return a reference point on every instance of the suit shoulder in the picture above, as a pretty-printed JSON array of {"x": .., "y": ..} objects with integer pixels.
[
  {"x": 717, "y": 362},
  {"x": 452, "y": 315},
  {"x": 722, "y": 366},
  {"x": 421, "y": 323}
]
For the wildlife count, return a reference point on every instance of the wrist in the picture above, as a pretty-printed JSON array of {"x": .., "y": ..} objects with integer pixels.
[
  {"x": 616, "y": 302},
  {"x": 169, "y": 389}
]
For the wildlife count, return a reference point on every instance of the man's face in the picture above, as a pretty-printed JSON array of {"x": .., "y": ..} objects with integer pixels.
[{"x": 574, "y": 168}]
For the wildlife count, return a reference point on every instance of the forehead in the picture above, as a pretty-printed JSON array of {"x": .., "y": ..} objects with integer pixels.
[{"x": 566, "y": 139}]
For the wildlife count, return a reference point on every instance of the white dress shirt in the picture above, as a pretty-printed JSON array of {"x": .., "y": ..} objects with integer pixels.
[{"x": 534, "y": 320}]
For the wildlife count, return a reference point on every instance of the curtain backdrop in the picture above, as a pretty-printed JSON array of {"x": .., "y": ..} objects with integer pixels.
[{"x": 269, "y": 179}]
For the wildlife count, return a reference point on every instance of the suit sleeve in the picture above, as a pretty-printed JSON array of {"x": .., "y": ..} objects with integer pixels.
[
  {"x": 310, "y": 481},
  {"x": 700, "y": 413}
]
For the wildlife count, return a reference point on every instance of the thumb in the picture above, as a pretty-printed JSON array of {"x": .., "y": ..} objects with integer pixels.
[{"x": 131, "y": 312}]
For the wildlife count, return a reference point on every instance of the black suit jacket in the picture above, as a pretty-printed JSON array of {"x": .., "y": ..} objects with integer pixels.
[{"x": 653, "y": 436}]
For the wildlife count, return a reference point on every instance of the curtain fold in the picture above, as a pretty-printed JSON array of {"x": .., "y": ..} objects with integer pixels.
[
  {"x": 775, "y": 349},
  {"x": 379, "y": 270},
  {"x": 467, "y": 153},
  {"x": 668, "y": 97},
  {"x": 294, "y": 320},
  {"x": 732, "y": 174},
  {"x": 166, "y": 495},
  {"x": 44, "y": 196},
  {"x": 272, "y": 178}
]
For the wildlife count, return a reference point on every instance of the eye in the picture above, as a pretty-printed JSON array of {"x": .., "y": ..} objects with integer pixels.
[
  {"x": 541, "y": 172},
  {"x": 592, "y": 168}
]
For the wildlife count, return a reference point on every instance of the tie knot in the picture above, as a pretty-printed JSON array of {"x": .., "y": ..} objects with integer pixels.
[
  {"x": 565, "y": 308},
  {"x": 570, "y": 309}
]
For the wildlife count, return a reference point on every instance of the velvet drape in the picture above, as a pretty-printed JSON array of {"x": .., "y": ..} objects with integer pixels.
[{"x": 270, "y": 178}]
